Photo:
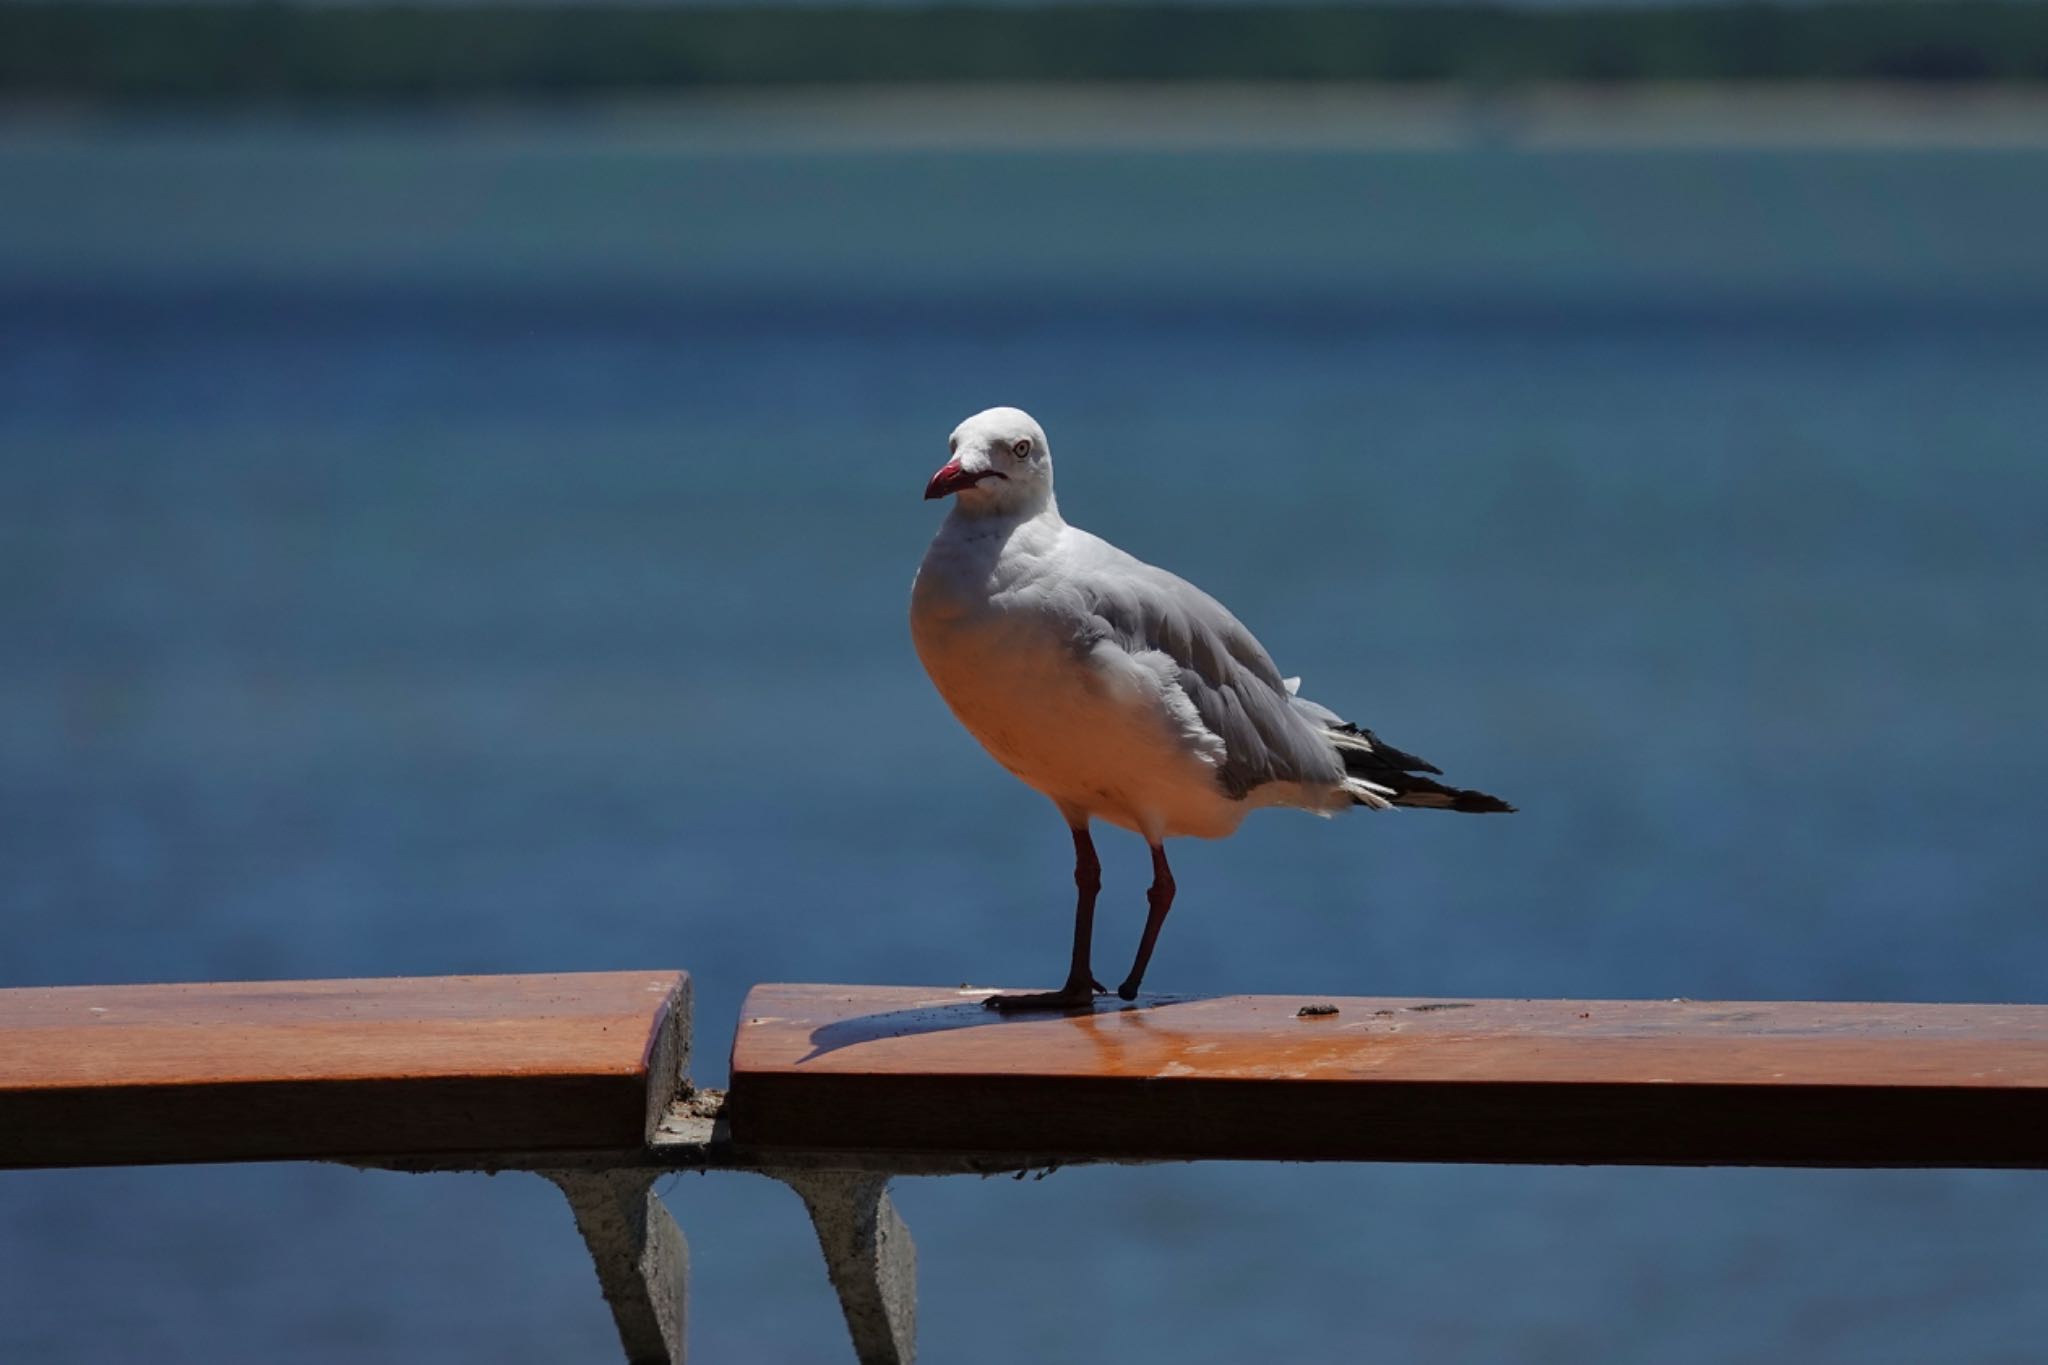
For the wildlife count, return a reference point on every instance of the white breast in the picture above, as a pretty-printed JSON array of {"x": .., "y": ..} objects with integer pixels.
[{"x": 1092, "y": 727}]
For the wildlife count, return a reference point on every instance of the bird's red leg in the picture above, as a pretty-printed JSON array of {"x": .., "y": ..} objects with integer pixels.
[
  {"x": 1079, "y": 992},
  {"x": 1160, "y": 899}
]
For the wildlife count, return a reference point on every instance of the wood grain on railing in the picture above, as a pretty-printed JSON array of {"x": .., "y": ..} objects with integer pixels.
[
  {"x": 101, "y": 1075},
  {"x": 1275, "y": 1077}
]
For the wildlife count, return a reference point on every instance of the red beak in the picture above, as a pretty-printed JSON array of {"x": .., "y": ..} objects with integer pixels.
[{"x": 951, "y": 478}]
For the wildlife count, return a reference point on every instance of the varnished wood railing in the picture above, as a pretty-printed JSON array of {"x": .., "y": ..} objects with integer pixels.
[{"x": 582, "y": 1078}]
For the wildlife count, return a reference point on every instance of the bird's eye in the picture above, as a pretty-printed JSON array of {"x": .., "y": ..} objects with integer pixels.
[{"x": 1021, "y": 448}]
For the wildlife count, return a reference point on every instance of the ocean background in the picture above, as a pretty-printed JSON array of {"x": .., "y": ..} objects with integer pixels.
[{"x": 482, "y": 543}]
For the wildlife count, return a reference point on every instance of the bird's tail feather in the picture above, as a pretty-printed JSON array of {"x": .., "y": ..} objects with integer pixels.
[
  {"x": 1371, "y": 794},
  {"x": 1380, "y": 776}
]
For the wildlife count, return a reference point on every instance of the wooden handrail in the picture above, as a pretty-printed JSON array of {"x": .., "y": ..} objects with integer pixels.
[
  {"x": 583, "y": 1078},
  {"x": 1304, "y": 1078},
  {"x": 460, "y": 1066}
]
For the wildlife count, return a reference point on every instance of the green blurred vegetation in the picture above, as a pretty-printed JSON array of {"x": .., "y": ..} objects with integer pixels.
[{"x": 299, "y": 53}]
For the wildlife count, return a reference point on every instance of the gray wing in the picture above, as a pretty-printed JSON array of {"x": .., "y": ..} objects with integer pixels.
[{"x": 1268, "y": 734}]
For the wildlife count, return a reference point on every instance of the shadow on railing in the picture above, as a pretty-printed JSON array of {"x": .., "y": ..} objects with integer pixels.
[{"x": 583, "y": 1079}]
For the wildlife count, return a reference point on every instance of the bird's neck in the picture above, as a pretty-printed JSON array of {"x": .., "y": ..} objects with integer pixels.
[
  {"x": 985, "y": 516},
  {"x": 965, "y": 562}
]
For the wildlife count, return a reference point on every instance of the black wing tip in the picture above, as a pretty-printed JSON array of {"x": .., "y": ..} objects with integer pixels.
[
  {"x": 1420, "y": 793},
  {"x": 1403, "y": 773},
  {"x": 1383, "y": 755},
  {"x": 1476, "y": 804}
]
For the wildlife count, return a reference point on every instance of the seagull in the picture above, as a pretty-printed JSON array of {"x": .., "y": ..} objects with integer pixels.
[{"x": 1119, "y": 691}]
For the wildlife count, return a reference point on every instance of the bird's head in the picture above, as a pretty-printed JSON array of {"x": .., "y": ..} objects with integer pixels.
[{"x": 999, "y": 463}]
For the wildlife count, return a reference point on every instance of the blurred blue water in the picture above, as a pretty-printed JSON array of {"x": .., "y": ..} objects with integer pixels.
[{"x": 450, "y": 548}]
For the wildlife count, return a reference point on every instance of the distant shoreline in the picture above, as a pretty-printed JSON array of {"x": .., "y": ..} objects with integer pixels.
[
  {"x": 1191, "y": 117},
  {"x": 319, "y": 55}
]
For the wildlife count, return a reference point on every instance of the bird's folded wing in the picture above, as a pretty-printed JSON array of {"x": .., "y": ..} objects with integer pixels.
[{"x": 1268, "y": 734}]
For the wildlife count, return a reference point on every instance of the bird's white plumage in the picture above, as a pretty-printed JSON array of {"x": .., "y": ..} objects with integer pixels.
[{"x": 1118, "y": 690}]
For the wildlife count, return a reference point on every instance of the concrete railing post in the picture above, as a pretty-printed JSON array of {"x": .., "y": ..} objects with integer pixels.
[
  {"x": 870, "y": 1257},
  {"x": 643, "y": 1263}
]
